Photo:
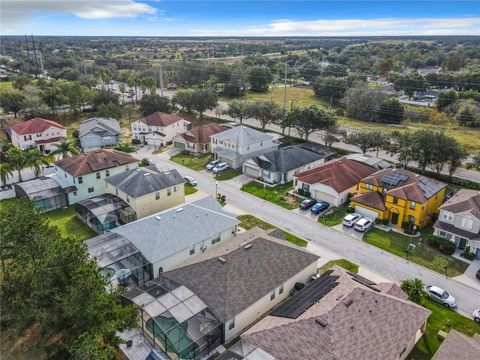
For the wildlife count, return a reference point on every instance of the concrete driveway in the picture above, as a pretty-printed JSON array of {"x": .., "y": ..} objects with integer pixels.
[
  {"x": 307, "y": 214},
  {"x": 350, "y": 231}
]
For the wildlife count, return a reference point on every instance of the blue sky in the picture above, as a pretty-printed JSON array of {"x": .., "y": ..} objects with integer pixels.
[{"x": 239, "y": 18}]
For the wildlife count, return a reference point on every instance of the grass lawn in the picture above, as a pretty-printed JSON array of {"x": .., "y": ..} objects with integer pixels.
[
  {"x": 276, "y": 195},
  {"x": 68, "y": 223},
  {"x": 228, "y": 174},
  {"x": 301, "y": 97},
  {"x": 334, "y": 216},
  {"x": 423, "y": 254},
  {"x": 189, "y": 190},
  {"x": 344, "y": 263},
  {"x": 6, "y": 85},
  {"x": 441, "y": 319},
  {"x": 196, "y": 163},
  {"x": 249, "y": 221}
]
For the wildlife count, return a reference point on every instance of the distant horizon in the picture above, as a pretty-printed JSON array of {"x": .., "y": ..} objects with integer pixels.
[{"x": 259, "y": 19}]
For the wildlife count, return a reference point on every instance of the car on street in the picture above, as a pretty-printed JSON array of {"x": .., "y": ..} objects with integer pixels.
[
  {"x": 363, "y": 224},
  {"x": 476, "y": 315},
  {"x": 190, "y": 180},
  {"x": 212, "y": 164},
  {"x": 351, "y": 219},
  {"x": 307, "y": 204},
  {"x": 439, "y": 295},
  {"x": 319, "y": 207},
  {"x": 220, "y": 167}
]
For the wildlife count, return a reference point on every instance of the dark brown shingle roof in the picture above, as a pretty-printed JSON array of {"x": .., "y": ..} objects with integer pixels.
[
  {"x": 340, "y": 174},
  {"x": 93, "y": 161},
  {"x": 201, "y": 134},
  {"x": 160, "y": 119},
  {"x": 371, "y": 199}
]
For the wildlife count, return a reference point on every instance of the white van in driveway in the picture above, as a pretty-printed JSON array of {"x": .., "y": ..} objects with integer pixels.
[{"x": 363, "y": 224}]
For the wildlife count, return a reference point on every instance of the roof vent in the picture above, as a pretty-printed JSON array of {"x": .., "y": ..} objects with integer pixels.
[
  {"x": 179, "y": 209},
  {"x": 321, "y": 322},
  {"x": 158, "y": 217},
  {"x": 167, "y": 172},
  {"x": 347, "y": 302},
  {"x": 222, "y": 260},
  {"x": 248, "y": 246}
]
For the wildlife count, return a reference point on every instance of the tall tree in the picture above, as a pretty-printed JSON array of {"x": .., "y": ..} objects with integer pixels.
[
  {"x": 410, "y": 83},
  {"x": 20, "y": 81},
  {"x": 413, "y": 288},
  {"x": 34, "y": 159},
  {"x": 391, "y": 111},
  {"x": 53, "y": 95},
  {"x": 265, "y": 112},
  {"x": 12, "y": 101},
  {"x": 445, "y": 98},
  {"x": 238, "y": 109},
  {"x": 260, "y": 78},
  {"x": 65, "y": 148},
  {"x": 6, "y": 171},
  {"x": 16, "y": 158},
  {"x": 152, "y": 103},
  {"x": 364, "y": 140},
  {"x": 203, "y": 99},
  {"x": 311, "y": 118}
]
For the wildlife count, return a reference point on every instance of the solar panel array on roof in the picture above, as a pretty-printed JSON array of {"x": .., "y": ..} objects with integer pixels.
[
  {"x": 428, "y": 186},
  {"x": 364, "y": 281},
  {"x": 296, "y": 305},
  {"x": 394, "y": 178}
]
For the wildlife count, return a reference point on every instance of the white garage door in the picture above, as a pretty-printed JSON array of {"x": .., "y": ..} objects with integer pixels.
[
  {"x": 366, "y": 212},
  {"x": 250, "y": 171},
  {"x": 320, "y": 195}
]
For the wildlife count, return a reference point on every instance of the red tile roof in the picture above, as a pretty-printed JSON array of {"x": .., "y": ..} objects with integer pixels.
[
  {"x": 160, "y": 119},
  {"x": 34, "y": 126},
  {"x": 201, "y": 134},
  {"x": 340, "y": 174},
  {"x": 93, "y": 161}
]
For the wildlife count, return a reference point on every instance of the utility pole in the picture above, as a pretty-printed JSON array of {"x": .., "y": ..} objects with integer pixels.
[
  {"x": 285, "y": 91},
  {"x": 28, "y": 53},
  {"x": 35, "y": 55},
  {"x": 160, "y": 76}
]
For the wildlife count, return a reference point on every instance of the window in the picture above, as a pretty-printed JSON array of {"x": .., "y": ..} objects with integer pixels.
[
  {"x": 98, "y": 175},
  {"x": 174, "y": 189},
  {"x": 216, "y": 240},
  {"x": 169, "y": 191},
  {"x": 231, "y": 324},
  {"x": 272, "y": 295},
  {"x": 280, "y": 290},
  {"x": 395, "y": 200},
  {"x": 157, "y": 195},
  {"x": 368, "y": 187},
  {"x": 127, "y": 167},
  {"x": 65, "y": 175},
  {"x": 107, "y": 172},
  {"x": 116, "y": 191},
  {"x": 80, "y": 180},
  {"x": 467, "y": 223},
  {"x": 411, "y": 219},
  {"x": 442, "y": 234},
  {"x": 192, "y": 251},
  {"x": 447, "y": 215},
  {"x": 412, "y": 205},
  {"x": 91, "y": 189},
  {"x": 74, "y": 193},
  {"x": 38, "y": 135}
]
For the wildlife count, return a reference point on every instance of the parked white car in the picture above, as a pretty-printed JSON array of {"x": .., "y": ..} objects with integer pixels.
[
  {"x": 212, "y": 164},
  {"x": 220, "y": 167},
  {"x": 476, "y": 315},
  {"x": 190, "y": 180},
  {"x": 351, "y": 219},
  {"x": 441, "y": 296},
  {"x": 363, "y": 224}
]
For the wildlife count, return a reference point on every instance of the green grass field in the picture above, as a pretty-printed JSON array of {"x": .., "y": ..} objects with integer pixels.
[
  {"x": 68, "y": 223},
  {"x": 189, "y": 190},
  {"x": 196, "y": 163},
  {"x": 276, "y": 195},
  {"x": 441, "y": 319},
  {"x": 423, "y": 254},
  {"x": 249, "y": 221},
  {"x": 6, "y": 85},
  {"x": 300, "y": 97}
]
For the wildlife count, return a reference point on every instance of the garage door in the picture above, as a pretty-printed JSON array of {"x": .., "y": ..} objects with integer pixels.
[
  {"x": 320, "y": 195},
  {"x": 366, "y": 212},
  {"x": 250, "y": 171},
  {"x": 179, "y": 145}
]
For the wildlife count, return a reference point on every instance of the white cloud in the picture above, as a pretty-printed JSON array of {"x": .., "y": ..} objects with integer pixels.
[
  {"x": 355, "y": 27},
  {"x": 16, "y": 13}
]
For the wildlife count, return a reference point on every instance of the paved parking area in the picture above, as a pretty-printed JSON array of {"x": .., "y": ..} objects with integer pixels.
[
  {"x": 306, "y": 213},
  {"x": 469, "y": 277},
  {"x": 348, "y": 231}
]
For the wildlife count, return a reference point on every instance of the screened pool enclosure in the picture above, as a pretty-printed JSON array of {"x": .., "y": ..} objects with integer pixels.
[
  {"x": 173, "y": 318},
  {"x": 44, "y": 191}
]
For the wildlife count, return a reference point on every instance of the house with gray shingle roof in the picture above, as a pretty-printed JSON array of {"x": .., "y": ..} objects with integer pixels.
[
  {"x": 147, "y": 190},
  {"x": 99, "y": 132},
  {"x": 279, "y": 166},
  {"x": 458, "y": 346},
  {"x": 241, "y": 143},
  {"x": 355, "y": 319}
]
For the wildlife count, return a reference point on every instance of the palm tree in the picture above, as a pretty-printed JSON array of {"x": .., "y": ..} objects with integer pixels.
[
  {"x": 6, "y": 170},
  {"x": 35, "y": 159},
  {"x": 65, "y": 148},
  {"x": 17, "y": 160},
  {"x": 413, "y": 288},
  {"x": 125, "y": 147}
]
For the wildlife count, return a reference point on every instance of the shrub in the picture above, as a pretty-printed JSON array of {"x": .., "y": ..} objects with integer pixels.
[
  {"x": 408, "y": 228},
  {"x": 378, "y": 221},
  {"x": 299, "y": 286},
  {"x": 385, "y": 222},
  {"x": 349, "y": 210},
  {"x": 433, "y": 241},
  {"x": 467, "y": 254},
  {"x": 447, "y": 247}
]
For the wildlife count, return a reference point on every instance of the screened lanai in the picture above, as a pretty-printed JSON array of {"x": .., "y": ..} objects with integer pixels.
[
  {"x": 46, "y": 192},
  {"x": 175, "y": 319},
  {"x": 119, "y": 260},
  {"x": 105, "y": 212}
]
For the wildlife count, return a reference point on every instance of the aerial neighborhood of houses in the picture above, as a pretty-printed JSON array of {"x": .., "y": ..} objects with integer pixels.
[{"x": 207, "y": 283}]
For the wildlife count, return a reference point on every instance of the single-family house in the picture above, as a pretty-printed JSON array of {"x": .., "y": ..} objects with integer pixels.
[
  {"x": 147, "y": 190},
  {"x": 459, "y": 220},
  {"x": 458, "y": 346},
  {"x": 197, "y": 140},
  {"x": 158, "y": 129},
  {"x": 98, "y": 132},
  {"x": 87, "y": 171},
  {"x": 399, "y": 196},
  {"x": 332, "y": 181},
  {"x": 235, "y": 283},
  {"x": 339, "y": 316},
  {"x": 279, "y": 166},
  {"x": 40, "y": 133},
  {"x": 370, "y": 160},
  {"x": 241, "y": 143}
]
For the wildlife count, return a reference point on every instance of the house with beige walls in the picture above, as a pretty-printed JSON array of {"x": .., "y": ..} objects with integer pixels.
[
  {"x": 147, "y": 190},
  {"x": 158, "y": 129}
]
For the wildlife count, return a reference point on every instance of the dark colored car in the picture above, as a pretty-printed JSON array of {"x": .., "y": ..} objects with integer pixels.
[
  {"x": 307, "y": 204},
  {"x": 319, "y": 207}
]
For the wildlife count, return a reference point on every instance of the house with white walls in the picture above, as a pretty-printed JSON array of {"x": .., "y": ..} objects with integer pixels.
[
  {"x": 158, "y": 129},
  {"x": 37, "y": 133}
]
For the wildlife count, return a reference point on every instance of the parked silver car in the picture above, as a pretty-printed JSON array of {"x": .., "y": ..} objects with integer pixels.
[
  {"x": 212, "y": 164},
  {"x": 351, "y": 219},
  {"x": 441, "y": 296},
  {"x": 220, "y": 167}
]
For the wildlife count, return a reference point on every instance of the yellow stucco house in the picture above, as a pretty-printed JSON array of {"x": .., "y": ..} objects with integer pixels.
[{"x": 399, "y": 196}]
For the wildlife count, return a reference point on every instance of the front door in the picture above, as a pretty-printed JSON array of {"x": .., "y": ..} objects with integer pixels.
[
  {"x": 462, "y": 244},
  {"x": 395, "y": 219}
]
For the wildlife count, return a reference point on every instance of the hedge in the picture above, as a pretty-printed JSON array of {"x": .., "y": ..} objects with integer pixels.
[{"x": 445, "y": 246}]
